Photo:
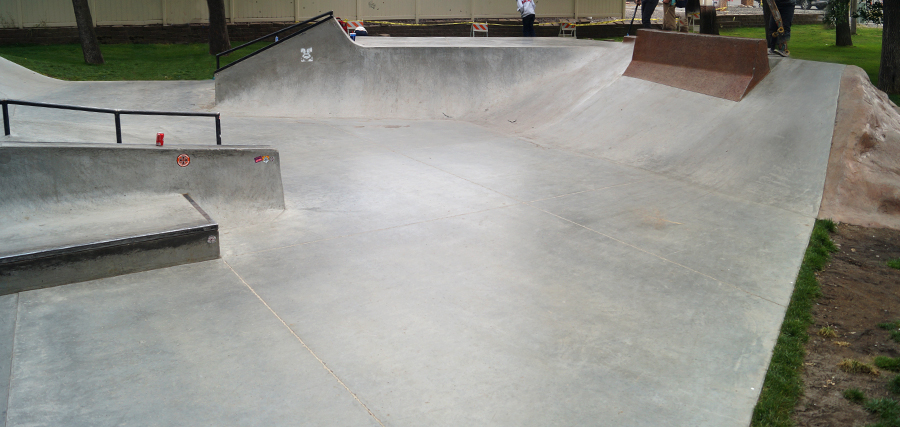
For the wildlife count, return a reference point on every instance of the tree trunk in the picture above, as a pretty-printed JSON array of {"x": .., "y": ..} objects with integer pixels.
[
  {"x": 889, "y": 72},
  {"x": 708, "y": 23},
  {"x": 89, "y": 46},
  {"x": 842, "y": 34},
  {"x": 218, "y": 29}
]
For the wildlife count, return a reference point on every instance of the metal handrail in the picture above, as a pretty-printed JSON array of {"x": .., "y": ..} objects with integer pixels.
[
  {"x": 117, "y": 113},
  {"x": 329, "y": 14}
]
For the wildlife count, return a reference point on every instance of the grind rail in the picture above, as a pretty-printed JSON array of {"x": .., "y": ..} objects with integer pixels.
[
  {"x": 310, "y": 23},
  {"x": 6, "y": 127}
]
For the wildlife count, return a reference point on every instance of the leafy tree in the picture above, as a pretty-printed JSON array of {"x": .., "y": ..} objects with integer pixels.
[
  {"x": 218, "y": 28},
  {"x": 89, "y": 46},
  {"x": 889, "y": 72},
  {"x": 837, "y": 13}
]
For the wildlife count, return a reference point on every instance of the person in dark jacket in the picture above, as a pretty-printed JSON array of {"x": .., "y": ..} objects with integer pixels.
[{"x": 647, "y": 8}]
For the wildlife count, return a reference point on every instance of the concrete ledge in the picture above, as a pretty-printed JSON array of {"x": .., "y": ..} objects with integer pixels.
[
  {"x": 71, "y": 245},
  {"x": 227, "y": 181},
  {"x": 724, "y": 67}
]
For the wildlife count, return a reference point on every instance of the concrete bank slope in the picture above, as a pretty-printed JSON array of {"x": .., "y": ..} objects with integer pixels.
[
  {"x": 770, "y": 148},
  {"x": 322, "y": 73}
]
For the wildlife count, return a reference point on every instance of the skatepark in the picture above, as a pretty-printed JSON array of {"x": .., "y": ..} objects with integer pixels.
[{"x": 432, "y": 231}]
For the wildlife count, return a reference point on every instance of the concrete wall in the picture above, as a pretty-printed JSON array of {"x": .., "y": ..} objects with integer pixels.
[
  {"x": 58, "y": 13},
  {"x": 227, "y": 182}
]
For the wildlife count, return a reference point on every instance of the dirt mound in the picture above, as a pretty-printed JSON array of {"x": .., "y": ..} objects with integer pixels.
[{"x": 862, "y": 185}]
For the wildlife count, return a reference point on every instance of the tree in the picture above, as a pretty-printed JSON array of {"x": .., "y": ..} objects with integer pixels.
[
  {"x": 708, "y": 22},
  {"x": 89, "y": 46},
  {"x": 889, "y": 72},
  {"x": 218, "y": 29},
  {"x": 837, "y": 13}
]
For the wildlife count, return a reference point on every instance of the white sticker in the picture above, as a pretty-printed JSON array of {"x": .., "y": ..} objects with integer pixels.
[
  {"x": 306, "y": 54},
  {"x": 211, "y": 239}
]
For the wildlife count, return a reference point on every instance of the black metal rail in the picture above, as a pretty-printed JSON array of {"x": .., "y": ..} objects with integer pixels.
[
  {"x": 311, "y": 23},
  {"x": 117, "y": 113}
]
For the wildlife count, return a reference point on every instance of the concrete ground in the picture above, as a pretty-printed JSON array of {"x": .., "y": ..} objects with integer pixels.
[{"x": 615, "y": 262}]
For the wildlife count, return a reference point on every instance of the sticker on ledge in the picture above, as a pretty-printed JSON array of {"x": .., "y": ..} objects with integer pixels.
[
  {"x": 306, "y": 54},
  {"x": 211, "y": 239},
  {"x": 264, "y": 159},
  {"x": 183, "y": 160}
]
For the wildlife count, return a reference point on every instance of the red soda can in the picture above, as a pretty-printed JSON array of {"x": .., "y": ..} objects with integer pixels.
[{"x": 159, "y": 139}]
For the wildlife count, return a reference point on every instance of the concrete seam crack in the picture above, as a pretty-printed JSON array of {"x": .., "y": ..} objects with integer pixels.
[{"x": 291, "y": 330}]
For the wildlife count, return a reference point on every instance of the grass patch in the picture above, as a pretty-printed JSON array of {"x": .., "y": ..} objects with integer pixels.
[
  {"x": 888, "y": 363},
  {"x": 887, "y": 410},
  {"x": 828, "y": 332},
  {"x": 123, "y": 61},
  {"x": 854, "y": 395},
  {"x": 894, "y": 385},
  {"x": 894, "y": 263},
  {"x": 784, "y": 385},
  {"x": 816, "y": 43},
  {"x": 852, "y": 366},
  {"x": 894, "y": 327}
]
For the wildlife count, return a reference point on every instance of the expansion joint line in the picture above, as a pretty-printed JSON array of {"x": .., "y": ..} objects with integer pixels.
[
  {"x": 657, "y": 256},
  {"x": 12, "y": 360},
  {"x": 291, "y": 330}
]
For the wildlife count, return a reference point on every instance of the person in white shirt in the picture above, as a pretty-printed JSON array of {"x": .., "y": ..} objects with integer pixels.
[{"x": 526, "y": 8}]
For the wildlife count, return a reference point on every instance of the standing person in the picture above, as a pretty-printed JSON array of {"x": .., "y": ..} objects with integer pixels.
[
  {"x": 526, "y": 8},
  {"x": 669, "y": 15},
  {"x": 647, "y": 8},
  {"x": 778, "y": 42}
]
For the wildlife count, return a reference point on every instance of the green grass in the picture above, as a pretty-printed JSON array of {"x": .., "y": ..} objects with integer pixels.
[
  {"x": 894, "y": 385},
  {"x": 894, "y": 263},
  {"x": 888, "y": 363},
  {"x": 123, "y": 61},
  {"x": 887, "y": 410},
  {"x": 783, "y": 385},
  {"x": 854, "y": 395},
  {"x": 894, "y": 327},
  {"x": 816, "y": 43}
]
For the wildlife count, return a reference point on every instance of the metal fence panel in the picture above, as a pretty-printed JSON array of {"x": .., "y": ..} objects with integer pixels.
[
  {"x": 48, "y": 13},
  {"x": 263, "y": 10},
  {"x": 178, "y": 12},
  {"x": 387, "y": 9},
  {"x": 9, "y": 14},
  {"x": 449, "y": 9},
  {"x": 126, "y": 12}
]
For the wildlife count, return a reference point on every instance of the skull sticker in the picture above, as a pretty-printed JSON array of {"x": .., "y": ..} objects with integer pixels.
[{"x": 306, "y": 54}]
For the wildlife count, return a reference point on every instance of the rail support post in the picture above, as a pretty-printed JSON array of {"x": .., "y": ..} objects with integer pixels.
[
  {"x": 118, "y": 128},
  {"x": 218, "y": 130},
  {"x": 5, "y": 118}
]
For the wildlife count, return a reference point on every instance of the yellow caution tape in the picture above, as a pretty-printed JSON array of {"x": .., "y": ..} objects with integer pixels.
[{"x": 545, "y": 24}]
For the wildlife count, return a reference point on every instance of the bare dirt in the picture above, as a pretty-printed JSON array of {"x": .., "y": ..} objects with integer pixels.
[{"x": 859, "y": 291}]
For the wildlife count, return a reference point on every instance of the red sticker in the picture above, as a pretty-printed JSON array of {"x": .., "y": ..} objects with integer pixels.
[{"x": 183, "y": 160}]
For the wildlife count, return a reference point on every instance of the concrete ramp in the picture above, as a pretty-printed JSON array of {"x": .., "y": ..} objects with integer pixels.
[
  {"x": 490, "y": 232},
  {"x": 322, "y": 73}
]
